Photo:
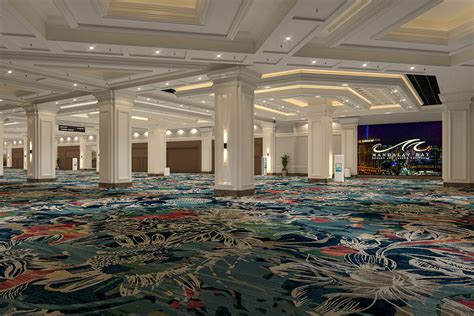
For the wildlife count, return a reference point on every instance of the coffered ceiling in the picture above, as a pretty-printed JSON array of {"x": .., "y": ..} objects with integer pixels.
[{"x": 56, "y": 51}]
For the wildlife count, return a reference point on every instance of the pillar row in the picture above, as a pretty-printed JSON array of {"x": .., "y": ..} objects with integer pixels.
[
  {"x": 115, "y": 143},
  {"x": 156, "y": 151},
  {"x": 234, "y": 131},
  {"x": 41, "y": 142},
  {"x": 458, "y": 139},
  {"x": 9, "y": 154},
  {"x": 320, "y": 152}
]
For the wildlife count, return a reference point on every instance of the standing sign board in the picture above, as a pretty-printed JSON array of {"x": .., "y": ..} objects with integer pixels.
[
  {"x": 339, "y": 168},
  {"x": 74, "y": 164}
]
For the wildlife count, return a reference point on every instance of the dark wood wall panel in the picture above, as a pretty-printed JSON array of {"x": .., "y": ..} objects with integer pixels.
[
  {"x": 140, "y": 157},
  {"x": 184, "y": 156},
  {"x": 65, "y": 155},
  {"x": 17, "y": 158}
]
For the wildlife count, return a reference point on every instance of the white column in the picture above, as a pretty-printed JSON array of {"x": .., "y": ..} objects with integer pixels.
[
  {"x": 458, "y": 139},
  {"x": 1, "y": 146},
  {"x": 25, "y": 153},
  {"x": 156, "y": 151},
  {"x": 9, "y": 154},
  {"x": 268, "y": 132},
  {"x": 82, "y": 152},
  {"x": 349, "y": 142},
  {"x": 320, "y": 155},
  {"x": 115, "y": 139},
  {"x": 88, "y": 156},
  {"x": 233, "y": 131},
  {"x": 97, "y": 151},
  {"x": 41, "y": 142},
  {"x": 206, "y": 150}
]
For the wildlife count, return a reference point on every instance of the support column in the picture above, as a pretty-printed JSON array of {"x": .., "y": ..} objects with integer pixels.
[
  {"x": 25, "y": 153},
  {"x": 156, "y": 151},
  {"x": 349, "y": 142},
  {"x": 97, "y": 151},
  {"x": 1, "y": 146},
  {"x": 115, "y": 139},
  {"x": 206, "y": 150},
  {"x": 233, "y": 131},
  {"x": 268, "y": 131},
  {"x": 320, "y": 154},
  {"x": 82, "y": 152},
  {"x": 9, "y": 154},
  {"x": 458, "y": 139},
  {"x": 41, "y": 142}
]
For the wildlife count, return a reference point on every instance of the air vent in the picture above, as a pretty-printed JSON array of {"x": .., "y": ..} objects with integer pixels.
[
  {"x": 427, "y": 88},
  {"x": 172, "y": 91}
]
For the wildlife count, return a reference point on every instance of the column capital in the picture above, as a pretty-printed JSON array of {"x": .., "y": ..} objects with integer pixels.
[
  {"x": 238, "y": 73},
  {"x": 450, "y": 98},
  {"x": 349, "y": 121},
  {"x": 32, "y": 108},
  {"x": 320, "y": 110},
  {"x": 109, "y": 94}
]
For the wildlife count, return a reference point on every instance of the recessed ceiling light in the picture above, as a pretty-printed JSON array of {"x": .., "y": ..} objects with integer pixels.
[
  {"x": 157, "y": 51},
  {"x": 395, "y": 91},
  {"x": 180, "y": 105},
  {"x": 148, "y": 99},
  {"x": 75, "y": 85},
  {"x": 212, "y": 94},
  {"x": 139, "y": 88},
  {"x": 57, "y": 103},
  {"x": 91, "y": 47},
  {"x": 203, "y": 101},
  {"x": 364, "y": 65},
  {"x": 313, "y": 61},
  {"x": 74, "y": 100},
  {"x": 347, "y": 100},
  {"x": 288, "y": 38},
  {"x": 1, "y": 100},
  {"x": 412, "y": 67},
  {"x": 199, "y": 78},
  {"x": 273, "y": 117},
  {"x": 344, "y": 84},
  {"x": 271, "y": 99},
  {"x": 388, "y": 112},
  {"x": 167, "y": 83},
  {"x": 9, "y": 71},
  {"x": 264, "y": 101},
  {"x": 282, "y": 106},
  {"x": 318, "y": 96},
  {"x": 219, "y": 56},
  {"x": 403, "y": 100},
  {"x": 267, "y": 87}
]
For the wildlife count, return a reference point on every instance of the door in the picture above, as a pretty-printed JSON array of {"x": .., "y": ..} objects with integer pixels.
[
  {"x": 17, "y": 158},
  {"x": 140, "y": 157},
  {"x": 184, "y": 156},
  {"x": 65, "y": 155}
]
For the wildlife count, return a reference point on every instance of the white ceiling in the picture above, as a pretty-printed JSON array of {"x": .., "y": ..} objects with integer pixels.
[{"x": 61, "y": 50}]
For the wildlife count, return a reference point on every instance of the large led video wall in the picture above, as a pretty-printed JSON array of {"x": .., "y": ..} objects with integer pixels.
[{"x": 408, "y": 149}]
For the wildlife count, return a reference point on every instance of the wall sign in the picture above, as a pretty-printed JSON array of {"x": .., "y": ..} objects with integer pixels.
[
  {"x": 68, "y": 128},
  {"x": 412, "y": 149}
]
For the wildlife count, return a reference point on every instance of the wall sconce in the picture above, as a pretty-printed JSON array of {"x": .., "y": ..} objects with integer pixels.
[{"x": 225, "y": 145}]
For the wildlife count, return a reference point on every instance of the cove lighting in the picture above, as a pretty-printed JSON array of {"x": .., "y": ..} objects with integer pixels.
[
  {"x": 140, "y": 118},
  {"x": 78, "y": 104},
  {"x": 11, "y": 123},
  {"x": 264, "y": 108},
  {"x": 173, "y": 108}
]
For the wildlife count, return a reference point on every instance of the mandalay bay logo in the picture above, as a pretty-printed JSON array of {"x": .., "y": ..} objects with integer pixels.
[{"x": 409, "y": 149}]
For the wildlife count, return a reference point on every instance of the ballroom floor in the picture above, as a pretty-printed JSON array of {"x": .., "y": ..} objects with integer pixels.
[{"x": 167, "y": 246}]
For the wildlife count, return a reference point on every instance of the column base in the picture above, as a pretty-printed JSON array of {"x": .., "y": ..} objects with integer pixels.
[
  {"x": 458, "y": 185},
  {"x": 319, "y": 180},
  {"x": 156, "y": 174},
  {"x": 237, "y": 193},
  {"x": 31, "y": 180},
  {"x": 115, "y": 185}
]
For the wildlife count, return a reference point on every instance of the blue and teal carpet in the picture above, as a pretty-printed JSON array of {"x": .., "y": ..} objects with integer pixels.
[{"x": 168, "y": 247}]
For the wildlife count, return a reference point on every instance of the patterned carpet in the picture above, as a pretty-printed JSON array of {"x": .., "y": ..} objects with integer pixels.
[{"x": 168, "y": 247}]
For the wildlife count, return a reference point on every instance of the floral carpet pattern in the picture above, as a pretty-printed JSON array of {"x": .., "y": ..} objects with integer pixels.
[{"x": 167, "y": 246}]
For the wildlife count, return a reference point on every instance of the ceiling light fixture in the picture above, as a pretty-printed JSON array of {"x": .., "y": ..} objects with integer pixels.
[
  {"x": 412, "y": 68},
  {"x": 288, "y": 38},
  {"x": 157, "y": 52},
  {"x": 168, "y": 132},
  {"x": 75, "y": 84},
  {"x": 91, "y": 47},
  {"x": 364, "y": 65},
  {"x": 140, "y": 118},
  {"x": 167, "y": 83},
  {"x": 199, "y": 78},
  {"x": 9, "y": 71},
  {"x": 139, "y": 88},
  {"x": 219, "y": 56},
  {"x": 313, "y": 61}
]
